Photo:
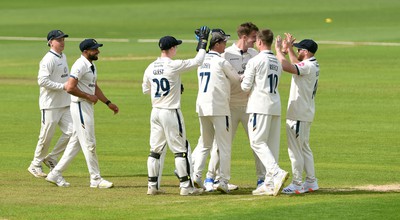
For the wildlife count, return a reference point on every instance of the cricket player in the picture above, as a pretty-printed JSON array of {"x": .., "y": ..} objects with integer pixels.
[
  {"x": 54, "y": 104},
  {"x": 215, "y": 76},
  {"x": 85, "y": 91},
  {"x": 261, "y": 78},
  {"x": 162, "y": 80},
  {"x": 238, "y": 54},
  {"x": 301, "y": 109}
]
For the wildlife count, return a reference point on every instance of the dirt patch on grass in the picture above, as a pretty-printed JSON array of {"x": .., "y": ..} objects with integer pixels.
[{"x": 380, "y": 188}]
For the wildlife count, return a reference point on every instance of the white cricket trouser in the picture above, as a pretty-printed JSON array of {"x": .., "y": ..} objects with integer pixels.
[
  {"x": 83, "y": 137},
  {"x": 50, "y": 119},
  {"x": 214, "y": 128},
  {"x": 264, "y": 134},
  {"x": 168, "y": 127},
  {"x": 238, "y": 115},
  {"x": 300, "y": 154}
]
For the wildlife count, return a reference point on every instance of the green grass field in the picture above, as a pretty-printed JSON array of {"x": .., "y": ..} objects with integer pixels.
[{"x": 354, "y": 138}]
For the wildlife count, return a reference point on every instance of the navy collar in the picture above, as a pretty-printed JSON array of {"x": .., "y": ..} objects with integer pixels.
[{"x": 55, "y": 54}]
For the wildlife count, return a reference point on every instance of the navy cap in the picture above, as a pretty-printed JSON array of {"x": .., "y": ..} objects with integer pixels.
[
  {"x": 218, "y": 35},
  {"x": 88, "y": 44},
  {"x": 167, "y": 42},
  {"x": 307, "y": 44},
  {"x": 55, "y": 34}
]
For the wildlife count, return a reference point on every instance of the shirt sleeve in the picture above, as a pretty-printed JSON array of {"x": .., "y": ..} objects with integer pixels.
[
  {"x": 146, "y": 84},
  {"x": 248, "y": 79},
  {"x": 45, "y": 70},
  {"x": 181, "y": 66}
]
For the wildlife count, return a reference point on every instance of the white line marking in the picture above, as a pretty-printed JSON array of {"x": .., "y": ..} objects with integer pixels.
[
  {"x": 115, "y": 40},
  {"x": 123, "y": 40}
]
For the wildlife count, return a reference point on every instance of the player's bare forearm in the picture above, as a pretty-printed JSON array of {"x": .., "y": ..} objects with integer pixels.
[
  {"x": 99, "y": 93},
  {"x": 72, "y": 88}
]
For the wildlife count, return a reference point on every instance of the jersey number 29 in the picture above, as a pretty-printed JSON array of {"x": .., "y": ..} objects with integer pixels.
[{"x": 162, "y": 86}]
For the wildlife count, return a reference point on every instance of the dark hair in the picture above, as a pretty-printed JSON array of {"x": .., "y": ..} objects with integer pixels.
[
  {"x": 266, "y": 36},
  {"x": 246, "y": 29}
]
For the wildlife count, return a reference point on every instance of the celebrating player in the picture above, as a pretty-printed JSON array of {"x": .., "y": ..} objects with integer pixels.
[
  {"x": 301, "y": 109},
  {"x": 237, "y": 55},
  {"x": 215, "y": 76},
  {"x": 162, "y": 80},
  {"x": 85, "y": 91},
  {"x": 54, "y": 104},
  {"x": 261, "y": 78}
]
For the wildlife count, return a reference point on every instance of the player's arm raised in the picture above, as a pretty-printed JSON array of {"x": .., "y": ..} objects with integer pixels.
[{"x": 286, "y": 65}]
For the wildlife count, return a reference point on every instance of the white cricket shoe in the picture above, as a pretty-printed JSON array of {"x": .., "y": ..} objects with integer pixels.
[
  {"x": 310, "y": 187},
  {"x": 263, "y": 189},
  {"x": 101, "y": 184},
  {"x": 223, "y": 187},
  {"x": 279, "y": 180},
  {"x": 293, "y": 189},
  {"x": 198, "y": 183},
  {"x": 231, "y": 187},
  {"x": 190, "y": 191},
  {"x": 58, "y": 180},
  {"x": 36, "y": 171},
  {"x": 209, "y": 185},
  {"x": 50, "y": 163},
  {"x": 154, "y": 191}
]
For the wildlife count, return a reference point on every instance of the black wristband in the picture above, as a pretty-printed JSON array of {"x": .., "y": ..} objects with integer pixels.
[{"x": 108, "y": 102}]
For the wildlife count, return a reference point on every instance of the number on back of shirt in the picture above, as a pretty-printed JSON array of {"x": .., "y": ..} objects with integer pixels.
[
  {"x": 273, "y": 83},
  {"x": 315, "y": 89},
  {"x": 163, "y": 87},
  {"x": 207, "y": 75}
]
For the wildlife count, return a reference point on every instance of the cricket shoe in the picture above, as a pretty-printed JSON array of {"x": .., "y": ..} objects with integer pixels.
[
  {"x": 198, "y": 183},
  {"x": 209, "y": 185},
  {"x": 50, "y": 163},
  {"x": 58, "y": 180},
  {"x": 223, "y": 187},
  {"x": 310, "y": 187},
  {"x": 190, "y": 191},
  {"x": 279, "y": 180},
  {"x": 101, "y": 184},
  {"x": 154, "y": 191},
  {"x": 293, "y": 189},
  {"x": 36, "y": 171},
  {"x": 264, "y": 189},
  {"x": 260, "y": 183},
  {"x": 231, "y": 187}
]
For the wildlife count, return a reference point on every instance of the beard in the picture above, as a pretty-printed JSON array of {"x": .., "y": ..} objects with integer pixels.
[
  {"x": 93, "y": 57},
  {"x": 300, "y": 57}
]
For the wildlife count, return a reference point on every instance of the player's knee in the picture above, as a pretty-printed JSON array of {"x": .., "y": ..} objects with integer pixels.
[
  {"x": 153, "y": 179},
  {"x": 183, "y": 154},
  {"x": 155, "y": 155}
]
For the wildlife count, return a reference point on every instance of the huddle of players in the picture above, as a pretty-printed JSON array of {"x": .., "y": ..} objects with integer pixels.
[{"x": 236, "y": 85}]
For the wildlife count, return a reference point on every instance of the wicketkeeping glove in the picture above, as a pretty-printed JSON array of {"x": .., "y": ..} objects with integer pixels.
[{"x": 202, "y": 36}]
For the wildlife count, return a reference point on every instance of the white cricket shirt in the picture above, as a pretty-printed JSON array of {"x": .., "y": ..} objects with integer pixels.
[
  {"x": 261, "y": 78},
  {"x": 238, "y": 59},
  {"x": 215, "y": 76},
  {"x": 162, "y": 79},
  {"x": 81, "y": 70},
  {"x": 301, "y": 105},
  {"x": 53, "y": 73}
]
